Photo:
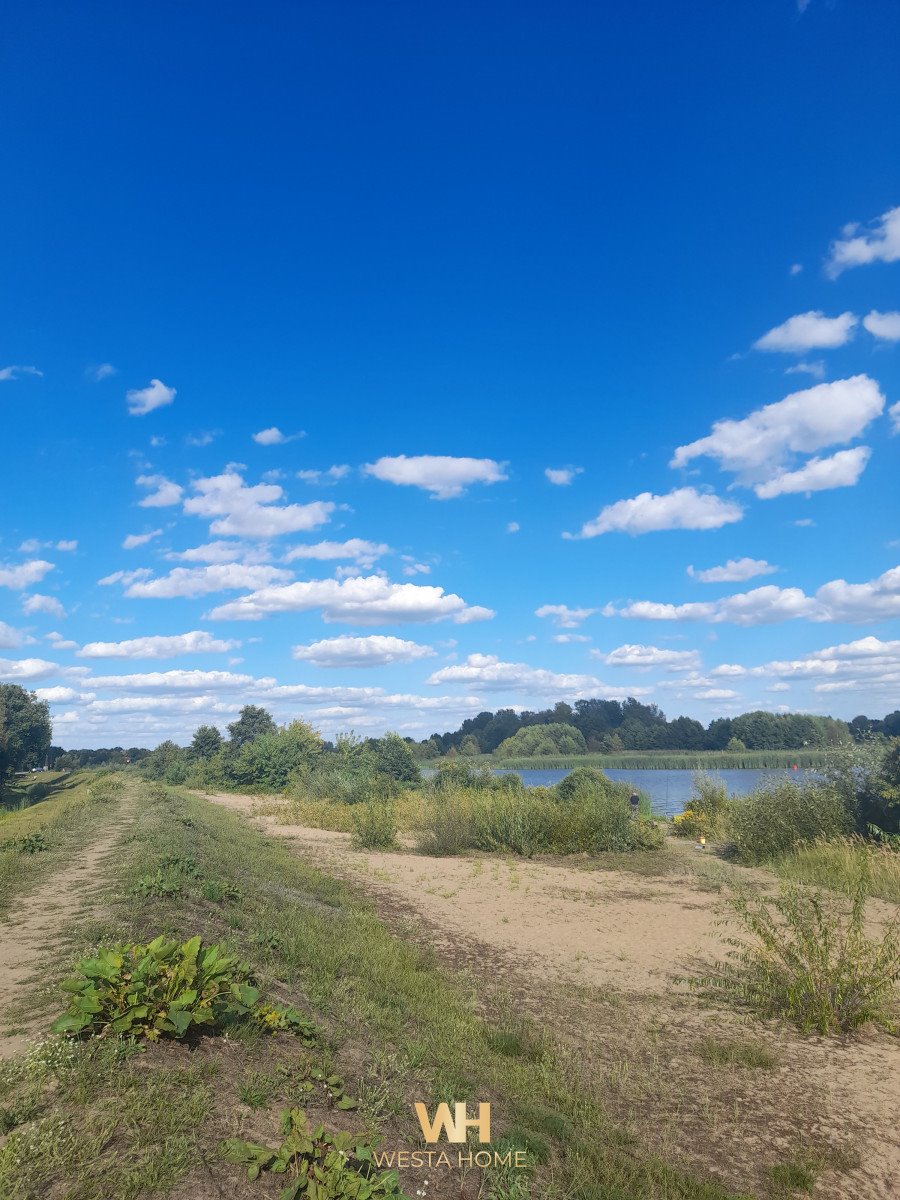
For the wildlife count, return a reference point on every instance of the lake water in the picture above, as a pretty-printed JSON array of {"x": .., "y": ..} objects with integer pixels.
[{"x": 668, "y": 790}]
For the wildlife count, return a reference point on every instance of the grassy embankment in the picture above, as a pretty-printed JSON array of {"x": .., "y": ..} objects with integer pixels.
[
  {"x": 38, "y": 835},
  {"x": 111, "y": 1120}
]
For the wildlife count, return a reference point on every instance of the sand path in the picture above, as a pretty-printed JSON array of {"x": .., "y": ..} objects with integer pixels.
[{"x": 34, "y": 929}]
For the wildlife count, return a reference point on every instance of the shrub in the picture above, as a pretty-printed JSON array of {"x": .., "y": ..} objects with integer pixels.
[
  {"x": 534, "y": 740},
  {"x": 374, "y": 825},
  {"x": 157, "y": 885},
  {"x": 704, "y": 813},
  {"x": 337, "y": 1165},
  {"x": 513, "y": 823},
  {"x": 774, "y": 818},
  {"x": 588, "y": 780},
  {"x": 27, "y": 843},
  {"x": 164, "y": 989},
  {"x": 447, "y": 826},
  {"x": 808, "y": 960},
  {"x": 106, "y": 787}
]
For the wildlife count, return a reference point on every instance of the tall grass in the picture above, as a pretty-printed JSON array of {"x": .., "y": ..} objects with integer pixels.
[
  {"x": 804, "y": 956},
  {"x": 836, "y": 863},
  {"x": 535, "y": 821},
  {"x": 705, "y": 813}
]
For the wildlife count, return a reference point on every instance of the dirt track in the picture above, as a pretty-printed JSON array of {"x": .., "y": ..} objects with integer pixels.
[{"x": 633, "y": 934}]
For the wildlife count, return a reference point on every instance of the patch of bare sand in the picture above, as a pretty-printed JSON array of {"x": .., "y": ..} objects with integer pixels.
[
  {"x": 624, "y": 937},
  {"x": 34, "y": 929}
]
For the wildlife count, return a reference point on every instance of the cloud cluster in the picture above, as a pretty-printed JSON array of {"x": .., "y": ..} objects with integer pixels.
[
  {"x": 563, "y": 616},
  {"x": 836, "y": 600},
  {"x": 363, "y": 600},
  {"x": 195, "y": 581},
  {"x": 562, "y": 476},
  {"x": 649, "y": 656},
  {"x": 488, "y": 672},
  {"x": 354, "y": 550},
  {"x": 241, "y": 510}
]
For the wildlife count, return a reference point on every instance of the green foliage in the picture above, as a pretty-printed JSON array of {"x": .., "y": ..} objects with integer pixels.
[
  {"x": 836, "y": 862},
  {"x": 374, "y": 825},
  {"x": 543, "y": 739},
  {"x": 804, "y": 956},
  {"x": 393, "y": 757},
  {"x": 735, "y": 1052},
  {"x": 589, "y": 814},
  {"x": 320, "y": 1166},
  {"x": 25, "y": 732},
  {"x": 774, "y": 818},
  {"x": 252, "y": 723},
  {"x": 270, "y": 759},
  {"x": 219, "y": 891},
  {"x": 106, "y": 786},
  {"x": 161, "y": 989},
  {"x": 206, "y": 742},
  {"x": 704, "y": 814},
  {"x": 157, "y": 885},
  {"x": 27, "y": 843}
]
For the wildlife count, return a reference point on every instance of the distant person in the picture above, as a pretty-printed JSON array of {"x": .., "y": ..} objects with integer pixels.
[{"x": 635, "y": 803}]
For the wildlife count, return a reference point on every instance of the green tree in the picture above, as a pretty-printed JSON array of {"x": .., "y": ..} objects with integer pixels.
[
  {"x": 394, "y": 757},
  {"x": 206, "y": 743},
  {"x": 252, "y": 723},
  {"x": 536, "y": 740},
  {"x": 25, "y": 730},
  {"x": 269, "y": 760}
]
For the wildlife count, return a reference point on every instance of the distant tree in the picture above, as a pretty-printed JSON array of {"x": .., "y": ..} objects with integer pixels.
[
  {"x": 393, "y": 757},
  {"x": 735, "y": 745},
  {"x": 25, "y": 730},
  {"x": 252, "y": 723},
  {"x": 206, "y": 743},
  {"x": 536, "y": 740},
  {"x": 469, "y": 745},
  {"x": 166, "y": 762},
  {"x": 269, "y": 760}
]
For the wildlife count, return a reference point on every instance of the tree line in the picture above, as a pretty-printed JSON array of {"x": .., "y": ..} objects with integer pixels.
[{"x": 613, "y": 726}]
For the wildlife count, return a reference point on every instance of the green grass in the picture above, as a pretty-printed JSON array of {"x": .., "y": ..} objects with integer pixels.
[
  {"x": 658, "y": 760},
  {"x": 837, "y": 863},
  {"x": 736, "y": 1052},
  {"x": 149, "y": 1121}
]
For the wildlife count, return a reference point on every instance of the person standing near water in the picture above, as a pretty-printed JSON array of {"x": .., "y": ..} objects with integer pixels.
[{"x": 635, "y": 805}]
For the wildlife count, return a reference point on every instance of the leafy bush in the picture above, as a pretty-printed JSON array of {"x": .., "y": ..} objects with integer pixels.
[
  {"x": 589, "y": 780},
  {"x": 704, "y": 814},
  {"x": 157, "y": 885},
  {"x": 164, "y": 989},
  {"x": 27, "y": 843},
  {"x": 513, "y": 823},
  {"x": 337, "y": 1166},
  {"x": 774, "y": 818},
  {"x": 447, "y": 826},
  {"x": 808, "y": 960},
  {"x": 374, "y": 825}
]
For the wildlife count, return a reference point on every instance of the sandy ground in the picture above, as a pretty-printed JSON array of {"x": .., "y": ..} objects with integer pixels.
[
  {"x": 35, "y": 928},
  {"x": 631, "y": 936}
]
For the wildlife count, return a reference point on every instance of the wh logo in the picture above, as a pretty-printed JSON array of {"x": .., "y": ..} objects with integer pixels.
[{"x": 455, "y": 1128}]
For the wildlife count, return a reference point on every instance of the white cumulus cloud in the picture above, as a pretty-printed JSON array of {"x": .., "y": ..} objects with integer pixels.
[
  {"x": 242, "y": 510},
  {"x": 442, "y": 475},
  {"x": 144, "y": 400},
  {"x": 363, "y": 600},
  {"x": 736, "y": 570},
  {"x": 21, "y": 575},
  {"x": 159, "y": 646},
  {"x": 818, "y": 474},
  {"x": 133, "y": 540},
  {"x": 563, "y": 616},
  {"x": 274, "y": 437},
  {"x": 802, "y": 423},
  {"x": 163, "y": 491},
  {"x": 354, "y": 549},
  {"x": 37, "y": 603},
  {"x": 562, "y": 476},
  {"x": 683, "y": 508},
  {"x": 809, "y": 331},
  {"x": 631, "y": 655},
  {"x": 196, "y": 581},
  {"x": 330, "y": 475},
  {"x": 488, "y": 672},
  {"x": 884, "y": 325},
  {"x": 373, "y": 651},
  {"x": 857, "y": 247}
]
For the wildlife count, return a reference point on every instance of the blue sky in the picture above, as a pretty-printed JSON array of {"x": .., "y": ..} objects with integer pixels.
[{"x": 586, "y": 311}]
